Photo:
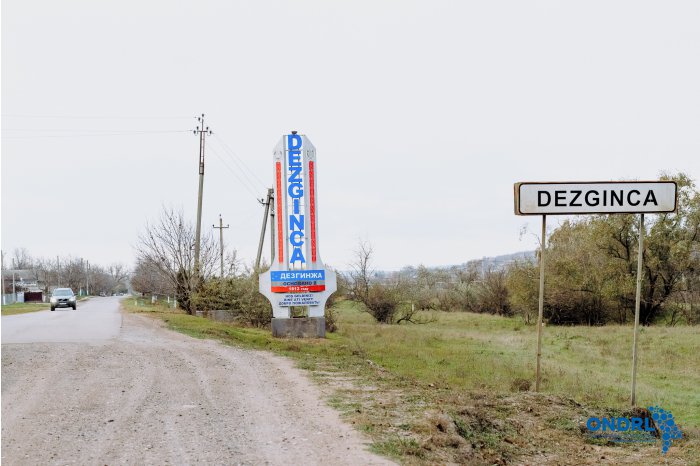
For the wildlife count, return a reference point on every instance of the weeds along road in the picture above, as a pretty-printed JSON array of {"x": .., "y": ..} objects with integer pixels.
[{"x": 94, "y": 386}]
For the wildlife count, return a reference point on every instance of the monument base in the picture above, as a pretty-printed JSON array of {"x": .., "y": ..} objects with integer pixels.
[{"x": 302, "y": 327}]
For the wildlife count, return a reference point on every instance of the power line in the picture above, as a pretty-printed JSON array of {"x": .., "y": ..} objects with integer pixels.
[
  {"x": 119, "y": 133},
  {"x": 97, "y": 117},
  {"x": 241, "y": 180},
  {"x": 82, "y": 130},
  {"x": 231, "y": 151},
  {"x": 242, "y": 170},
  {"x": 245, "y": 170}
]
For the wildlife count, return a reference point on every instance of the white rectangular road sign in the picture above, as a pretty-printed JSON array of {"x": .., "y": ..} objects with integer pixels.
[{"x": 595, "y": 197}]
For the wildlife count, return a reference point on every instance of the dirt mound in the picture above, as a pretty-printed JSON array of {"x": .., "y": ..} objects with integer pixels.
[{"x": 527, "y": 428}]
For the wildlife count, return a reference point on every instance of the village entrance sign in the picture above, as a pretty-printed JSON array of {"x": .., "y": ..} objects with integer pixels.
[
  {"x": 581, "y": 198},
  {"x": 297, "y": 278}
]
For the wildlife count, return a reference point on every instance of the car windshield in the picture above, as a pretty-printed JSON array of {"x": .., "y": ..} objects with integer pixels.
[{"x": 63, "y": 292}]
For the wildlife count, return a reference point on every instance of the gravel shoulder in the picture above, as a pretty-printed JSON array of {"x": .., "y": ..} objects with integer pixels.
[{"x": 153, "y": 396}]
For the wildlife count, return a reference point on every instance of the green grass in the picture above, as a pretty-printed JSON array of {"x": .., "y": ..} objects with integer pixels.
[
  {"x": 590, "y": 364},
  {"x": 463, "y": 357},
  {"x": 477, "y": 351},
  {"x": 23, "y": 308},
  {"x": 398, "y": 447}
]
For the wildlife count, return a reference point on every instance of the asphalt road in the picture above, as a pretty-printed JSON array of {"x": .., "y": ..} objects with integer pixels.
[
  {"x": 97, "y": 319},
  {"x": 94, "y": 386}
]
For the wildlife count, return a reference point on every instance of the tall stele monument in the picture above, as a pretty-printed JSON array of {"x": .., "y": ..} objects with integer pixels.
[{"x": 297, "y": 276}]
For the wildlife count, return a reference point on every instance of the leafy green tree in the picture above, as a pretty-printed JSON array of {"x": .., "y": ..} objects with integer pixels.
[
  {"x": 670, "y": 250},
  {"x": 522, "y": 280},
  {"x": 577, "y": 273},
  {"x": 591, "y": 266},
  {"x": 492, "y": 293}
]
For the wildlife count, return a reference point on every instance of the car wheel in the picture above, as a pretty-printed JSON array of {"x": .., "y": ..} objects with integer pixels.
[
  {"x": 74, "y": 306},
  {"x": 53, "y": 308}
]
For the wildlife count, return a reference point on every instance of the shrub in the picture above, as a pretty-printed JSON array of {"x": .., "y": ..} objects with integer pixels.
[{"x": 238, "y": 294}]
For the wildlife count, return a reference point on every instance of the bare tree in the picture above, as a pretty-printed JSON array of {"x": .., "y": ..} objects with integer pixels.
[
  {"x": 21, "y": 259},
  {"x": 100, "y": 280},
  {"x": 149, "y": 279},
  {"x": 118, "y": 272},
  {"x": 168, "y": 244},
  {"x": 232, "y": 264},
  {"x": 361, "y": 271},
  {"x": 387, "y": 299},
  {"x": 73, "y": 273},
  {"x": 118, "y": 275}
]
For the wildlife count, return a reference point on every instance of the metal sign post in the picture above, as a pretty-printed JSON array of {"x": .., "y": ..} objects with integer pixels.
[
  {"x": 637, "y": 301},
  {"x": 594, "y": 197},
  {"x": 540, "y": 311}
]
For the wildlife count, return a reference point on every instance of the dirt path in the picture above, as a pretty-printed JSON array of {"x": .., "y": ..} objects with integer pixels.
[{"x": 152, "y": 396}]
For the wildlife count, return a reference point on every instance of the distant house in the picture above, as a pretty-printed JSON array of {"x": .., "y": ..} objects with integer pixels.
[{"x": 25, "y": 280}]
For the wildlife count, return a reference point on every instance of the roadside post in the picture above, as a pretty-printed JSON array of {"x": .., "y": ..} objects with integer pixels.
[
  {"x": 297, "y": 277},
  {"x": 266, "y": 203},
  {"x": 540, "y": 304},
  {"x": 637, "y": 303},
  {"x": 594, "y": 197}
]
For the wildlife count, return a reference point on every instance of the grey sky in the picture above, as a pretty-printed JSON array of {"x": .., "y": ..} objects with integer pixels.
[{"x": 423, "y": 114}]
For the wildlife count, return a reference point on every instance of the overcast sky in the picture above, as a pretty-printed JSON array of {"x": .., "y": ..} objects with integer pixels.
[{"x": 423, "y": 114}]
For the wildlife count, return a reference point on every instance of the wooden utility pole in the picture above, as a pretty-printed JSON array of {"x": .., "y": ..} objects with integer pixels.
[
  {"x": 202, "y": 131},
  {"x": 2, "y": 268},
  {"x": 272, "y": 227},
  {"x": 266, "y": 203},
  {"x": 221, "y": 242}
]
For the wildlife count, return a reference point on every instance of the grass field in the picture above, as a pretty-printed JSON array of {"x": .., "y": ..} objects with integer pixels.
[
  {"x": 23, "y": 308},
  {"x": 458, "y": 387},
  {"x": 590, "y": 364}
]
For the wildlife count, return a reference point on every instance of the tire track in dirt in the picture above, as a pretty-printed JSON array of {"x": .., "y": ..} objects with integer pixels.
[{"x": 152, "y": 396}]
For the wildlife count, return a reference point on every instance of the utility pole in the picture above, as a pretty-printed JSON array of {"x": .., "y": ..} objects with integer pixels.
[
  {"x": 272, "y": 227},
  {"x": 202, "y": 131},
  {"x": 2, "y": 268},
  {"x": 221, "y": 242},
  {"x": 58, "y": 273},
  {"x": 266, "y": 203},
  {"x": 87, "y": 278}
]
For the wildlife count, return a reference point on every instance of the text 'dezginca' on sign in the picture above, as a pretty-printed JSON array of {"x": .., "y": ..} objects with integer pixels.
[{"x": 595, "y": 197}]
